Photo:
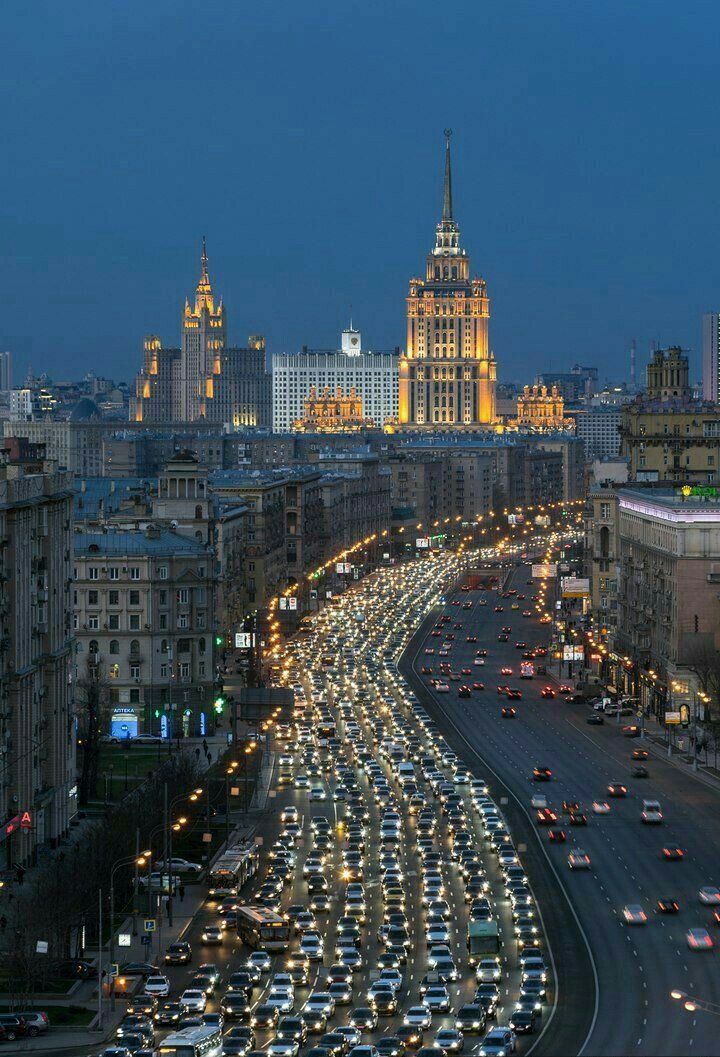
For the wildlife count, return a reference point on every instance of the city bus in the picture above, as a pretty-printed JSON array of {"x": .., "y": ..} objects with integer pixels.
[
  {"x": 205, "y": 1041},
  {"x": 232, "y": 870},
  {"x": 262, "y": 929}
]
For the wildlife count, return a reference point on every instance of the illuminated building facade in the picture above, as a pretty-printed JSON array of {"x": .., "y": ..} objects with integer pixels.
[
  {"x": 447, "y": 373},
  {"x": 329, "y": 412},
  {"x": 541, "y": 408},
  {"x": 204, "y": 379}
]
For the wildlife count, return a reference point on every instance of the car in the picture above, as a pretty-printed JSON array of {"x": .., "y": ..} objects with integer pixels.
[
  {"x": 633, "y": 914},
  {"x": 545, "y": 816},
  {"x": 595, "y": 719},
  {"x": 547, "y": 691},
  {"x": 523, "y": 1021},
  {"x": 437, "y": 998},
  {"x": 617, "y": 789},
  {"x": 640, "y": 771},
  {"x": 181, "y": 866},
  {"x": 508, "y": 712},
  {"x": 168, "y": 1014},
  {"x": 557, "y": 836},
  {"x": 417, "y": 1017},
  {"x": 178, "y": 954},
  {"x": 157, "y": 985},
  {"x": 35, "y": 1023},
  {"x": 600, "y": 807},
  {"x": 498, "y": 1042},
  {"x": 632, "y": 730},
  {"x": 577, "y": 818},
  {"x": 488, "y": 971},
  {"x": 668, "y": 906},
  {"x": 578, "y": 859},
  {"x": 212, "y": 934},
  {"x": 699, "y": 939},
  {"x": 671, "y": 853},
  {"x": 639, "y": 754},
  {"x": 260, "y": 960},
  {"x": 234, "y": 1005},
  {"x": 542, "y": 774},
  {"x": 709, "y": 895},
  {"x": 144, "y": 969},
  {"x": 450, "y": 1040},
  {"x": 364, "y": 1018},
  {"x": 264, "y": 1017},
  {"x": 470, "y": 1019}
]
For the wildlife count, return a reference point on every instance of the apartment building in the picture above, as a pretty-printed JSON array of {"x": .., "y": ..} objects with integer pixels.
[
  {"x": 38, "y": 796},
  {"x": 144, "y": 614}
]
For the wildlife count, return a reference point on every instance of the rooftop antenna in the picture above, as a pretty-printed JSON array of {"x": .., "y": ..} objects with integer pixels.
[{"x": 633, "y": 348}]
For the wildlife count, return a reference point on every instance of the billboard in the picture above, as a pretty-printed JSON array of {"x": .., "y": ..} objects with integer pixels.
[
  {"x": 422, "y": 543},
  {"x": 672, "y": 718},
  {"x": 244, "y": 640},
  {"x": 342, "y": 568},
  {"x": 575, "y": 587},
  {"x": 573, "y": 653},
  {"x": 544, "y": 572},
  {"x": 288, "y": 603}
]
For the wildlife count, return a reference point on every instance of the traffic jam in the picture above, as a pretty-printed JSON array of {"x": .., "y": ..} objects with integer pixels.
[{"x": 387, "y": 909}]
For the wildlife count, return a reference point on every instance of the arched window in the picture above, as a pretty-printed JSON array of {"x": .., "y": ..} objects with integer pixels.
[
  {"x": 93, "y": 646},
  {"x": 198, "y": 512},
  {"x": 134, "y": 646},
  {"x": 201, "y": 645},
  {"x": 114, "y": 646}
]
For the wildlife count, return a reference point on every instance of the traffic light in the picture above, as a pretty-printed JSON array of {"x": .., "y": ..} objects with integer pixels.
[
  {"x": 219, "y": 704},
  {"x": 218, "y": 640}
]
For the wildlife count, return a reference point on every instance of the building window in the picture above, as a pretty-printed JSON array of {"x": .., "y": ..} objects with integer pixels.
[
  {"x": 163, "y": 598},
  {"x": 163, "y": 621},
  {"x": 183, "y": 596},
  {"x": 113, "y": 598},
  {"x": 134, "y": 624},
  {"x": 185, "y": 670},
  {"x": 134, "y": 598},
  {"x": 113, "y": 573},
  {"x": 114, "y": 622},
  {"x": 163, "y": 572},
  {"x": 604, "y": 511},
  {"x": 163, "y": 671},
  {"x": 134, "y": 671},
  {"x": 183, "y": 621},
  {"x": 134, "y": 572},
  {"x": 114, "y": 671},
  {"x": 93, "y": 623},
  {"x": 92, "y": 598},
  {"x": 201, "y": 668},
  {"x": 201, "y": 620},
  {"x": 93, "y": 573},
  {"x": 114, "y": 647}
]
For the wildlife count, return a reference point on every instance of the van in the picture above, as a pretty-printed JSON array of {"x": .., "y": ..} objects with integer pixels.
[
  {"x": 405, "y": 770},
  {"x": 651, "y": 811}
]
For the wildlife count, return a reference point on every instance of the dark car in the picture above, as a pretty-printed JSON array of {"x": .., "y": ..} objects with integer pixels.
[
  {"x": 137, "y": 969},
  {"x": 238, "y": 1041},
  {"x": 470, "y": 1019},
  {"x": 169, "y": 1014},
  {"x": 410, "y": 1035},
  {"x": 14, "y": 1026},
  {"x": 595, "y": 719},
  {"x": 178, "y": 954},
  {"x": 76, "y": 969},
  {"x": 523, "y": 1022},
  {"x": 234, "y": 1005},
  {"x": 542, "y": 774},
  {"x": 390, "y": 1046}
]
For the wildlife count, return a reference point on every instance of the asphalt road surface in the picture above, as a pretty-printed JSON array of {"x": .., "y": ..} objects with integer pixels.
[{"x": 636, "y": 967}]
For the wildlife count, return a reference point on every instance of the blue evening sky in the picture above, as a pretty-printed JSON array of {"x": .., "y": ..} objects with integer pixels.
[{"x": 305, "y": 140}]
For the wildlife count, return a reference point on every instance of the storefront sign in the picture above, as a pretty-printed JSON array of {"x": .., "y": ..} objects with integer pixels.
[{"x": 672, "y": 718}]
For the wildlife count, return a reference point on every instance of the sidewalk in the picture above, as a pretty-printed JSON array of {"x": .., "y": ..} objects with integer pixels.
[
  {"x": 91, "y": 1039},
  {"x": 657, "y": 742}
]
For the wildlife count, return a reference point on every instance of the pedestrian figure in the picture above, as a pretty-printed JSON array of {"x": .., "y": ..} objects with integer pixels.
[
  {"x": 181, "y": 891},
  {"x": 205, "y": 746},
  {"x": 168, "y": 910}
]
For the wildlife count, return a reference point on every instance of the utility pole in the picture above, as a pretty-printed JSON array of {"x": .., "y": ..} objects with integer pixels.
[
  {"x": 135, "y": 882},
  {"x": 100, "y": 962}
]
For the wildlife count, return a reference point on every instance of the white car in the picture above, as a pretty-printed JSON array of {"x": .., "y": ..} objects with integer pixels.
[
  {"x": 158, "y": 986},
  {"x": 282, "y": 999},
  {"x": 317, "y": 793},
  {"x": 600, "y": 807},
  {"x": 442, "y": 688},
  {"x": 418, "y": 1017},
  {"x": 578, "y": 859},
  {"x": 634, "y": 914},
  {"x": 284, "y": 1046},
  {"x": 709, "y": 895},
  {"x": 289, "y": 814},
  {"x": 193, "y": 1000},
  {"x": 212, "y": 934},
  {"x": 181, "y": 866},
  {"x": 260, "y": 960},
  {"x": 488, "y": 971},
  {"x": 321, "y": 1001}
]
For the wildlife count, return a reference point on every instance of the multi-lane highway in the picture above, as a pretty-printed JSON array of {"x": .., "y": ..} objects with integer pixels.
[{"x": 618, "y": 990}]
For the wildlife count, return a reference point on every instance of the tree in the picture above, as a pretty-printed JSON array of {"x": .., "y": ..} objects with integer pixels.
[{"x": 94, "y": 699}]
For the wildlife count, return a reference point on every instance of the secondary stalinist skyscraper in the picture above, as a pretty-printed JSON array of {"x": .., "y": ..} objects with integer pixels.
[{"x": 447, "y": 373}]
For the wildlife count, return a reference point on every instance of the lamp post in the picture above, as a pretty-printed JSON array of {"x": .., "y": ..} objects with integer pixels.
[{"x": 126, "y": 861}]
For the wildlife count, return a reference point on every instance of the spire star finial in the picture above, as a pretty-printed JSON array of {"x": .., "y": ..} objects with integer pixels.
[{"x": 447, "y": 188}]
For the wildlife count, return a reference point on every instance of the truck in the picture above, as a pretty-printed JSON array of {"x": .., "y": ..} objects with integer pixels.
[{"x": 483, "y": 940}]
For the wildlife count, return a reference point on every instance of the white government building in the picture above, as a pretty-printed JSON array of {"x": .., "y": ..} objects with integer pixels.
[{"x": 373, "y": 375}]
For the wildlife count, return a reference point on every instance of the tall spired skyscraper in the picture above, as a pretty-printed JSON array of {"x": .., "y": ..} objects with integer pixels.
[
  {"x": 203, "y": 338},
  {"x": 447, "y": 373}
]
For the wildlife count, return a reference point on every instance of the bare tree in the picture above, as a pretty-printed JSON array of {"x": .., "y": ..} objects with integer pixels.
[{"x": 93, "y": 701}]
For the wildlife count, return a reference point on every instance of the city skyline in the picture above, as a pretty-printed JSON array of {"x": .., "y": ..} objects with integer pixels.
[{"x": 554, "y": 192}]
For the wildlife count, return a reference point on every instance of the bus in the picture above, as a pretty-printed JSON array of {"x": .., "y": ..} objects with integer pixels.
[
  {"x": 232, "y": 870},
  {"x": 205, "y": 1041},
  {"x": 527, "y": 669},
  {"x": 262, "y": 929}
]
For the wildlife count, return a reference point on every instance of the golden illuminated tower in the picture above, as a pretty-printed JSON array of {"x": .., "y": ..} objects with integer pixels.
[
  {"x": 447, "y": 373},
  {"x": 203, "y": 339}
]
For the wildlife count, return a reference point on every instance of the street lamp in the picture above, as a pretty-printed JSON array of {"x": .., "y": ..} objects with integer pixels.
[{"x": 126, "y": 861}]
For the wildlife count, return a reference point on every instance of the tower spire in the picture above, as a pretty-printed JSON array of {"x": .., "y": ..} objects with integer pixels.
[
  {"x": 204, "y": 263},
  {"x": 447, "y": 213}
]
